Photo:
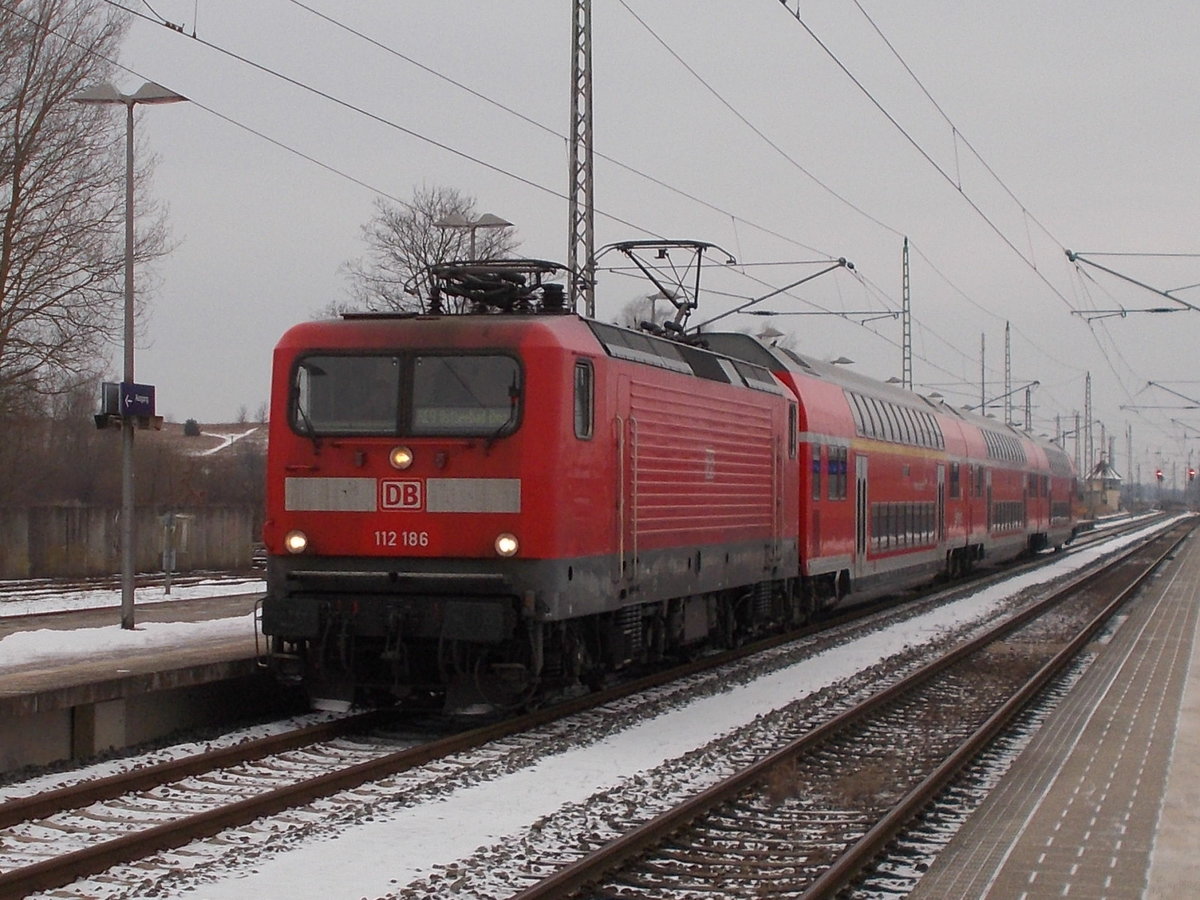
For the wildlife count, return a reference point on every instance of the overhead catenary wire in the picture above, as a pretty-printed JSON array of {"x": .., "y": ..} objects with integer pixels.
[
  {"x": 957, "y": 135},
  {"x": 760, "y": 133},
  {"x": 359, "y": 110},
  {"x": 354, "y": 108},
  {"x": 530, "y": 120},
  {"x": 956, "y": 132},
  {"x": 925, "y": 154},
  {"x": 328, "y": 96},
  {"x": 532, "y": 184}
]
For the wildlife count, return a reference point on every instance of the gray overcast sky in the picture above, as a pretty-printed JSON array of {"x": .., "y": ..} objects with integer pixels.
[{"x": 1086, "y": 111}]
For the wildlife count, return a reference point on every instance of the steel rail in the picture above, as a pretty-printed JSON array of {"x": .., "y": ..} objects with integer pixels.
[
  {"x": 62, "y": 870},
  {"x": 58, "y": 871},
  {"x": 75, "y": 796},
  {"x": 589, "y": 869},
  {"x": 848, "y": 866}
]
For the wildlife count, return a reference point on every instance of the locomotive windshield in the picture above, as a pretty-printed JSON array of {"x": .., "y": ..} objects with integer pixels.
[{"x": 473, "y": 395}]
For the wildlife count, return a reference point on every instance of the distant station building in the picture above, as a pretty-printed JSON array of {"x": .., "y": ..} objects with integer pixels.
[{"x": 1102, "y": 490}]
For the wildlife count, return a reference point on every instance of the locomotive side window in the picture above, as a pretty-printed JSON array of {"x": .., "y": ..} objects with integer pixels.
[
  {"x": 465, "y": 395},
  {"x": 583, "y": 399}
]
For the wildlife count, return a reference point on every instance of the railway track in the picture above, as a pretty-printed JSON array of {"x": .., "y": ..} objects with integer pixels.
[
  {"x": 167, "y": 806},
  {"x": 50, "y": 839},
  {"x": 809, "y": 817},
  {"x": 43, "y": 588}
]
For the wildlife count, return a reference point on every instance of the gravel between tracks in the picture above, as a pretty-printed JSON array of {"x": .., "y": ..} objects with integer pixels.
[{"x": 466, "y": 826}]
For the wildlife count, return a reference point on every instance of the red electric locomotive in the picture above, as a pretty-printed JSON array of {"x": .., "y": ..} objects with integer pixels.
[
  {"x": 514, "y": 496},
  {"x": 495, "y": 502}
]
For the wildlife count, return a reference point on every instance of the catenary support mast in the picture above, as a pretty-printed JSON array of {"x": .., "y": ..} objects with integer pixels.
[
  {"x": 581, "y": 240},
  {"x": 906, "y": 376}
]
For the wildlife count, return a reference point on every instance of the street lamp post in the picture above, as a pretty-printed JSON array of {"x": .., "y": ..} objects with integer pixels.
[
  {"x": 147, "y": 93},
  {"x": 458, "y": 220}
]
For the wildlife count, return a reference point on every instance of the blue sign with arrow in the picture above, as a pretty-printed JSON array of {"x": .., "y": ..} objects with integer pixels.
[{"x": 136, "y": 399}]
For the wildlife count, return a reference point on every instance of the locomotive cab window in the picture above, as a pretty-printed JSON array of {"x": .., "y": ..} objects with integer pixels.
[
  {"x": 390, "y": 394},
  {"x": 346, "y": 395},
  {"x": 465, "y": 395}
]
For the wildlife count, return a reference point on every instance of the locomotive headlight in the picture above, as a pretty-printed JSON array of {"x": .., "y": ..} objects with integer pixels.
[
  {"x": 400, "y": 457},
  {"x": 506, "y": 545},
  {"x": 295, "y": 541}
]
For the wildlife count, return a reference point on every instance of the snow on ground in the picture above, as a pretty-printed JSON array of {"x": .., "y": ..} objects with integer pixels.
[
  {"x": 24, "y": 648},
  {"x": 386, "y": 855},
  {"x": 227, "y": 440},
  {"x": 377, "y": 858},
  {"x": 17, "y": 600}
]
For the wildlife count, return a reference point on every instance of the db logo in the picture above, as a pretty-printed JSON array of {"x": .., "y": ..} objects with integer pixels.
[{"x": 400, "y": 495}]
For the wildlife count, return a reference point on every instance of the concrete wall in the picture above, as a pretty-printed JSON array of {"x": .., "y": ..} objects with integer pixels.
[
  {"x": 80, "y": 731},
  {"x": 67, "y": 542}
]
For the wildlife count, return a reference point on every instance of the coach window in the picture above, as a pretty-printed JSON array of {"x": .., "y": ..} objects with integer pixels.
[
  {"x": 876, "y": 416},
  {"x": 894, "y": 433},
  {"x": 793, "y": 426},
  {"x": 584, "y": 399},
  {"x": 869, "y": 426},
  {"x": 914, "y": 429},
  {"x": 860, "y": 417},
  {"x": 816, "y": 471},
  {"x": 955, "y": 489},
  {"x": 926, "y": 430},
  {"x": 836, "y": 467}
]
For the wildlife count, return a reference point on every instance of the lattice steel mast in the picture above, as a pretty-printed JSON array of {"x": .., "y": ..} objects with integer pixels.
[
  {"x": 983, "y": 373},
  {"x": 906, "y": 376},
  {"x": 1089, "y": 449},
  {"x": 581, "y": 239},
  {"x": 1008, "y": 419}
]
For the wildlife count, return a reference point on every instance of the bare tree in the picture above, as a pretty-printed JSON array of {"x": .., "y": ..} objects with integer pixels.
[
  {"x": 404, "y": 240},
  {"x": 646, "y": 308},
  {"x": 62, "y": 189}
]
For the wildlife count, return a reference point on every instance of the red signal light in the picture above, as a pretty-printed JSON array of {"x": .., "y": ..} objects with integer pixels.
[
  {"x": 1158, "y": 474},
  {"x": 1191, "y": 474}
]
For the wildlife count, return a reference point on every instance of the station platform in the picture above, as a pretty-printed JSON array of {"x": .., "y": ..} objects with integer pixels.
[
  {"x": 1105, "y": 799},
  {"x": 81, "y": 703}
]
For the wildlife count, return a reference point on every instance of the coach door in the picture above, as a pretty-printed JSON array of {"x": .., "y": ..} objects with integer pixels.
[
  {"x": 861, "y": 508},
  {"x": 941, "y": 504},
  {"x": 625, "y": 428}
]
